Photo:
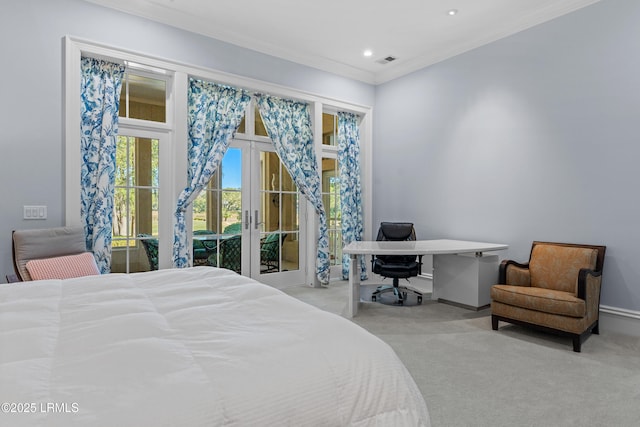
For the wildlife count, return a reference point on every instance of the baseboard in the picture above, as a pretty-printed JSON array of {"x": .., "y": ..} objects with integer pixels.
[
  {"x": 619, "y": 320},
  {"x": 468, "y": 307}
]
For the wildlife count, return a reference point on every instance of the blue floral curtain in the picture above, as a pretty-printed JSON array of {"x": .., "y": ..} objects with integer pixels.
[
  {"x": 100, "y": 100},
  {"x": 215, "y": 112},
  {"x": 288, "y": 124},
  {"x": 350, "y": 189}
]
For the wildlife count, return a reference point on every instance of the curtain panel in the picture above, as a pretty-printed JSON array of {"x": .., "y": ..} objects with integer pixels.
[
  {"x": 100, "y": 101},
  {"x": 288, "y": 124},
  {"x": 350, "y": 187},
  {"x": 214, "y": 114}
]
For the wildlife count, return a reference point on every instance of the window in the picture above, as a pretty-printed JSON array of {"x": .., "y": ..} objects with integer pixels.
[
  {"x": 329, "y": 129},
  {"x": 331, "y": 201},
  {"x": 143, "y": 97},
  {"x": 331, "y": 186},
  {"x": 136, "y": 204}
]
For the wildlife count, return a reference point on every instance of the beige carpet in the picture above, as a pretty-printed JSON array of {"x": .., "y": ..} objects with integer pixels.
[{"x": 471, "y": 375}]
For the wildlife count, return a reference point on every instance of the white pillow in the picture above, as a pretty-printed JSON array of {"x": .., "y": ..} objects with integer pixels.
[{"x": 63, "y": 267}]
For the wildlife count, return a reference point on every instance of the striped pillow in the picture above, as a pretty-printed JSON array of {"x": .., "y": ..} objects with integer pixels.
[{"x": 64, "y": 267}]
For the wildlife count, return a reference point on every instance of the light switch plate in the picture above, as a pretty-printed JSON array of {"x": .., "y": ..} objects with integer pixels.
[{"x": 35, "y": 212}]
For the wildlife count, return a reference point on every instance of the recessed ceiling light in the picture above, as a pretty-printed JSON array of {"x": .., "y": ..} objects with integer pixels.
[
  {"x": 453, "y": 12},
  {"x": 367, "y": 52}
]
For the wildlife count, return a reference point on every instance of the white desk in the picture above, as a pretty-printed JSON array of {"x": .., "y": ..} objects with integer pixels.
[{"x": 451, "y": 258}]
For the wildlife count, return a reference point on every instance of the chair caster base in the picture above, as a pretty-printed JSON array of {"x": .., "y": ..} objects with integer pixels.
[{"x": 400, "y": 294}]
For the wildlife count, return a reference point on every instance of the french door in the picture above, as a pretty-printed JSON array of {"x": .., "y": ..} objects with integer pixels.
[{"x": 250, "y": 219}]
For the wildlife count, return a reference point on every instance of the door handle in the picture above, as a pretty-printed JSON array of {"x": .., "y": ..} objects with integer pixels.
[
  {"x": 246, "y": 220},
  {"x": 257, "y": 223}
]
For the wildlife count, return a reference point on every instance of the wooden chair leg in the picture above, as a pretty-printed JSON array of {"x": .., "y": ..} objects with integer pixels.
[
  {"x": 577, "y": 343},
  {"x": 494, "y": 322}
]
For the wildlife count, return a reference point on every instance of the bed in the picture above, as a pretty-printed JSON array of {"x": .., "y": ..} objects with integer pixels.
[{"x": 191, "y": 347}]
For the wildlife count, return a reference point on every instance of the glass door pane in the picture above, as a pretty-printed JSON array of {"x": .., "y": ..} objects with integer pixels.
[
  {"x": 278, "y": 212},
  {"x": 217, "y": 216}
]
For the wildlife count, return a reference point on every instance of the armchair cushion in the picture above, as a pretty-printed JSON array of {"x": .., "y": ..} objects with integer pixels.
[
  {"x": 540, "y": 299},
  {"x": 557, "y": 267}
]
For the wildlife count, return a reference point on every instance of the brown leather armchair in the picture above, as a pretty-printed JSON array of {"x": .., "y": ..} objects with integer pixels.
[{"x": 557, "y": 291}]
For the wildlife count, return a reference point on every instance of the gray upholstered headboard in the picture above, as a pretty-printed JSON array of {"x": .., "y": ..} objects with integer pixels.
[{"x": 45, "y": 243}]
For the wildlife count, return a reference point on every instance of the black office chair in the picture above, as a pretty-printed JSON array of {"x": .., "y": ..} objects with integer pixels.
[{"x": 397, "y": 266}]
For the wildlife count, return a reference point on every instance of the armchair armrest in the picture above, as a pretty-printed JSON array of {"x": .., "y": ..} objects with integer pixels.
[
  {"x": 517, "y": 273},
  {"x": 589, "y": 284}
]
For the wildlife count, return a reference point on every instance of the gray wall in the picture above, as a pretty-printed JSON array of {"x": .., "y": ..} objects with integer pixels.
[
  {"x": 31, "y": 161},
  {"x": 533, "y": 137}
]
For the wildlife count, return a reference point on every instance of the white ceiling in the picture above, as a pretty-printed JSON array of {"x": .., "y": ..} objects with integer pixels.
[{"x": 332, "y": 34}]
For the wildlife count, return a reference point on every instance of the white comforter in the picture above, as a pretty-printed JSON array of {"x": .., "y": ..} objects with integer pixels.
[{"x": 190, "y": 347}]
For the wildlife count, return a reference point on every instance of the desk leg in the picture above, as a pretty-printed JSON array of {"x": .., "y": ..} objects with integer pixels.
[{"x": 354, "y": 286}]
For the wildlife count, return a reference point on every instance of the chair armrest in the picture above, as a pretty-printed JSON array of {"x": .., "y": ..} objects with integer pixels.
[
  {"x": 514, "y": 273},
  {"x": 210, "y": 245},
  {"x": 589, "y": 282}
]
